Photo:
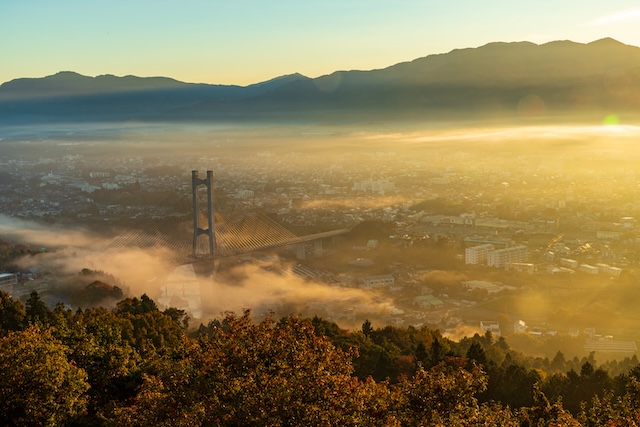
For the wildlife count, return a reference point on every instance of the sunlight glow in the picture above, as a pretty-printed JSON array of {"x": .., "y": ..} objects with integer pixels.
[
  {"x": 617, "y": 17},
  {"x": 515, "y": 133}
]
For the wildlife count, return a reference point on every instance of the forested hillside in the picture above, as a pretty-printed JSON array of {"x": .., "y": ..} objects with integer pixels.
[{"x": 136, "y": 365}]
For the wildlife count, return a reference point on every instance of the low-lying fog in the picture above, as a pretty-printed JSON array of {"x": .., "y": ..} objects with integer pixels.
[{"x": 562, "y": 174}]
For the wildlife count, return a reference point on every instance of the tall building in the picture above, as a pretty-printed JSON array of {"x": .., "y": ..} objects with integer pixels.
[
  {"x": 477, "y": 254},
  {"x": 502, "y": 257}
]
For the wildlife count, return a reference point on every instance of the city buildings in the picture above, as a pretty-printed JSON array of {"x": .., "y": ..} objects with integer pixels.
[
  {"x": 501, "y": 258},
  {"x": 478, "y": 254}
]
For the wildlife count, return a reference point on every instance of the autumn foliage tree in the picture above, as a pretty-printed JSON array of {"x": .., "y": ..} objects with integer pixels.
[
  {"x": 39, "y": 385},
  {"x": 265, "y": 374},
  {"x": 137, "y": 365}
]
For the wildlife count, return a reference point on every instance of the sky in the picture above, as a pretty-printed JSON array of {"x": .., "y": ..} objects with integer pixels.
[{"x": 248, "y": 41}]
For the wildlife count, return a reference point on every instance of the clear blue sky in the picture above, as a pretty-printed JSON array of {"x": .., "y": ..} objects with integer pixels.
[{"x": 248, "y": 41}]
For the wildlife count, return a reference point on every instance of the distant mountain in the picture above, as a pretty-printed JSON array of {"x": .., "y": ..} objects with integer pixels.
[
  {"x": 70, "y": 96},
  {"x": 498, "y": 79},
  {"x": 68, "y": 83}
]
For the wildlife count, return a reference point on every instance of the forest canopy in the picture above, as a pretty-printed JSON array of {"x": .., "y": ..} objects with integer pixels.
[{"x": 139, "y": 365}]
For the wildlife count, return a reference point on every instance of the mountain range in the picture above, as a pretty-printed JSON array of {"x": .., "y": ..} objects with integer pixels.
[{"x": 518, "y": 79}]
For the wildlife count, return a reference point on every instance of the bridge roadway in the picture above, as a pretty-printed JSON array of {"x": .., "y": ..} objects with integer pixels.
[
  {"x": 252, "y": 233},
  {"x": 299, "y": 241},
  {"x": 323, "y": 235}
]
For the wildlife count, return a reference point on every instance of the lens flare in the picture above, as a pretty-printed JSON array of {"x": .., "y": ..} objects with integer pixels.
[{"x": 611, "y": 119}]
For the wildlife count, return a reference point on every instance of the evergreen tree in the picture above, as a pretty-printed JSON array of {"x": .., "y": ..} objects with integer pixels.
[
  {"x": 558, "y": 363},
  {"x": 476, "y": 353},
  {"x": 436, "y": 353},
  {"x": 421, "y": 355},
  {"x": 36, "y": 310},
  {"x": 366, "y": 328},
  {"x": 12, "y": 314}
]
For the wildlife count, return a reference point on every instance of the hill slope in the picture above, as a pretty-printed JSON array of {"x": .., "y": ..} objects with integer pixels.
[{"x": 523, "y": 78}]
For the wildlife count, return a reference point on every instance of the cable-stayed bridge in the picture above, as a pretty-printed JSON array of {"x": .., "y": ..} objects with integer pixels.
[{"x": 210, "y": 235}]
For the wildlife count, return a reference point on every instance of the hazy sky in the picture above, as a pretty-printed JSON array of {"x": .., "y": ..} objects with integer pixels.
[{"x": 248, "y": 41}]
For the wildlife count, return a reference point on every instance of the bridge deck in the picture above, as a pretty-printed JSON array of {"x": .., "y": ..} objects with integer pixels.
[
  {"x": 323, "y": 235},
  {"x": 252, "y": 233}
]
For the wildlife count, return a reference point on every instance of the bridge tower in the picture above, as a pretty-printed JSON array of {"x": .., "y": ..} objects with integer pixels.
[{"x": 197, "y": 230}]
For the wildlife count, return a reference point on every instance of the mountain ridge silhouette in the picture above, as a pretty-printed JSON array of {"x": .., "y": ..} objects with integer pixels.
[{"x": 564, "y": 77}]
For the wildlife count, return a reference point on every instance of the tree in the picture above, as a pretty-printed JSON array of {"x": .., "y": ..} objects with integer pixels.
[
  {"x": 421, "y": 355},
  {"x": 502, "y": 344},
  {"x": 511, "y": 385},
  {"x": 36, "y": 309},
  {"x": 436, "y": 354},
  {"x": 270, "y": 373},
  {"x": 366, "y": 328},
  {"x": 40, "y": 387},
  {"x": 443, "y": 395},
  {"x": 543, "y": 413},
  {"x": 100, "y": 344},
  {"x": 12, "y": 314},
  {"x": 377, "y": 360},
  {"x": 476, "y": 353},
  {"x": 179, "y": 316},
  {"x": 136, "y": 306},
  {"x": 558, "y": 363},
  {"x": 609, "y": 411}
]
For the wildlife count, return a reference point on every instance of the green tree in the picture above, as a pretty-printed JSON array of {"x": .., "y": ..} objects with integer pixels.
[
  {"x": 12, "y": 314},
  {"x": 436, "y": 352},
  {"x": 136, "y": 306},
  {"x": 36, "y": 309},
  {"x": 421, "y": 354},
  {"x": 366, "y": 328},
  {"x": 100, "y": 345},
  {"x": 591, "y": 382},
  {"x": 511, "y": 385},
  {"x": 477, "y": 354},
  {"x": 179, "y": 316},
  {"x": 40, "y": 387},
  {"x": 558, "y": 363}
]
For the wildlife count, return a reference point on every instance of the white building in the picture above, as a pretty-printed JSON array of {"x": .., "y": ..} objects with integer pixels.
[
  {"x": 520, "y": 327},
  {"x": 606, "y": 234},
  {"x": 589, "y": 269},
  {"x": 245, "y": 194},
  {"x": 569, "y": 263},
  {"x": 99, "y": 174},
  {"x": 491, "y": 288},
  {"x": 614, "y": 271},
  {"x": 428, "y": 302},
  {"x": 502, "y": 257},
  {"x": 477, "y": 254},
  {"x": 491, "y": 326},
  {"x": 627, "y": 222},
  {"x": 380, "y": 186},
  {"x": 608, "y": 269},
  {"x": 380, "y": 281}
]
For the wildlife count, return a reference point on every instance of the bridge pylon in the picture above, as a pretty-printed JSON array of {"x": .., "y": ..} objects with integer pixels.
[{"x": 197, "y": 229}]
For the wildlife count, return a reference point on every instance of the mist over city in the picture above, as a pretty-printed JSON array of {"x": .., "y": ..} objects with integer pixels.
[
  {"x": 413, "y": 206},
  {"x": 338, "y": 214}
]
